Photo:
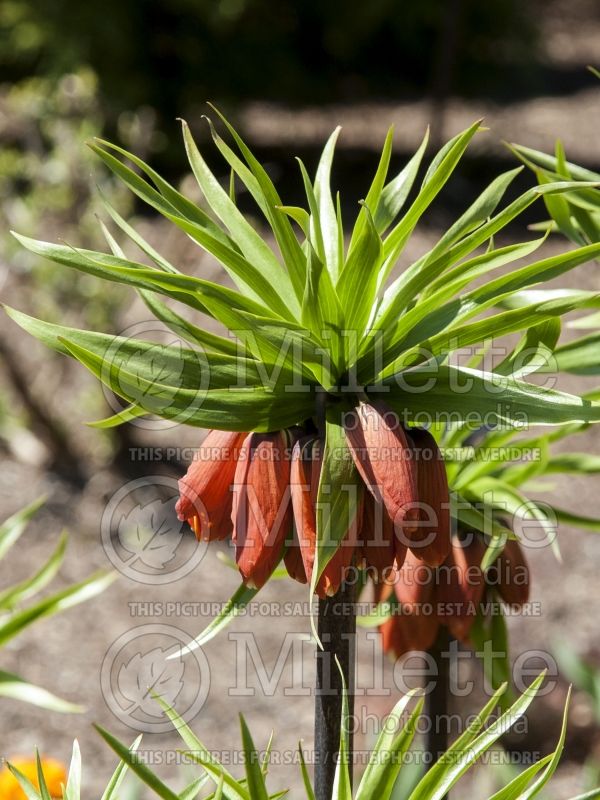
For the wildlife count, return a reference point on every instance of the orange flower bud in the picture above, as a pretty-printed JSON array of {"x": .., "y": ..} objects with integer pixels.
[
  {"x": 432, "y": 539},
  {"x": 383, "y": 458},
  {"x": 513, "y": 574},
  {"x": 205, "y": 490},
  {"x": 261, "y": 511}
]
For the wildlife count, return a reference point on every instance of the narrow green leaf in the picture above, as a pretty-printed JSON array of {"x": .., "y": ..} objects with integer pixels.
[
  {"x": 200, "y": 294},
  {"x": 576, "y": 520},
  {"x": 73, "y": 787},
  {"x": 326, "y": 209},
  {"x": 535, "y": 352},
  {"x": 395, "y": 193},
  {"x": 314, "y": 228},
  {"x": 338, "y": 497},
  {"x": 254, "y": 777},
  {"x": 114, "y": 784},
  {"x": 310, "y": 794},
  {"x": 477, "y": 213},
  {"x": 447, "y": 321},
  {"x": 15, "y": 594},
  {"x": 271, "y": 284},
  {"x": 12, "y": 528},
  {"x": 386, "y": 760},
  {"x": 550, "y": 162},
  {"x": 490, "y": 399},
  {"x": 371, "y": 202},
  {"x": 251, "y": 408},
  {"x": 232, "y": 789},
  {"x": 357, "y": 286},
  {"x": 459, "y": 758},
  {"x": 26, "y": 785},
  {"x": 18, "y": 689},
  {"x": 60, "y": 601},
  {"x": 133, "y": 411},
  {"x": 136, "y": 237},
  {"x": 135, "y": 764},
  {"x": 429, "y": 784},
  {"x": 514, "y": 789},
  {"x": 581, "y": 356},
  {"x": 232, "y": 608},
  {"x": 434, "y": 181},
  {"x": 164, "y": 199},
  {"x": 417, "y": 278},
  {"x": 466, "y": 334},
  {"x": 45, "y": 794},
  {"x": 550, "y": 769},
  {"x": 288, "y": 244},
  {"x": 191, "y": 791},
  {"x": 342, "y": 786},
  {"x": 299, "y": 215}
]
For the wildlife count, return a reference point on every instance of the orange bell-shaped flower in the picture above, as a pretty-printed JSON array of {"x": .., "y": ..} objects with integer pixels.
[
  {"x": 304, "y": 484},
  {"x": 414, "y": 623},
  {"x": 513, "y": 574},
  {"x": 431, "y": 541},
  {"x": 205, "y": 490},
  {"x": 261, "y": 510},
  {"x": 376, "y": 540},
  {"x": 383, "y": 457},
  {"x": 461, "y": 584}
]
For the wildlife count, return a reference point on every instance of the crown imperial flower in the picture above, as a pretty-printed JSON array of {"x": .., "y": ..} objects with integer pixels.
[
  {"x": 205, "y": 491},
  {"x": 261, "y": 509},
  {"x": 428, "y": 597}
]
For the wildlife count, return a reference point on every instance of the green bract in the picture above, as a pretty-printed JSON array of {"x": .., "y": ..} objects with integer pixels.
[{"x": 319, "y": 313}]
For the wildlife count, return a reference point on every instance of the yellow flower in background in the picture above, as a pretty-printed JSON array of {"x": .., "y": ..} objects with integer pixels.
[{"x": 55, "y": 775}]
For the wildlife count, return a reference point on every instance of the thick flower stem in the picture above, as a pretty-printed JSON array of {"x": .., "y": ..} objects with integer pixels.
[
  {"x": 437, "y": 700},
  {"x": 337, "y": 631}
]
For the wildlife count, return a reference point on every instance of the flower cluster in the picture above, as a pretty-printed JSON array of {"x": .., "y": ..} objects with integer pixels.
[
  {"x": 262, "y": 489},
  {"x": 423, "y": 598}
]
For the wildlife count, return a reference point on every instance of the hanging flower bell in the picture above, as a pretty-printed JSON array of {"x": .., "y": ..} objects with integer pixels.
[
  {"x": 262, "y": 489},
  {"x": 424, "y": 598}
]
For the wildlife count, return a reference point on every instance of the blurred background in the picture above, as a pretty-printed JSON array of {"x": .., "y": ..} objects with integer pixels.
[{"x": 287, "y": 74}]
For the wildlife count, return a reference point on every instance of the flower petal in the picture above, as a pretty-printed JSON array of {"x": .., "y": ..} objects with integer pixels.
[
  {"x": 384, "y": 460},
  {"x": 404, "y": 633},
  {"x": 205, "y": 490},
  {"x": 307, "y": 459},
  {"x": 513, "y": 574},
  {"x": 293, "y": 560},
  {"x": 432, "y": 538},
  {"x": 460, "y": 587},
  {"x": 377, "y": 538},
  {"x": 261, "y": 511},
  {"x": 416, "y": 583}
]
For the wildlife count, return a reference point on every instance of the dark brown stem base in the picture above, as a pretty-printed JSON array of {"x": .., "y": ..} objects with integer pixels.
[
  {"x": 337, "y": 631},
  {"x": 437, "y": 701}
]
